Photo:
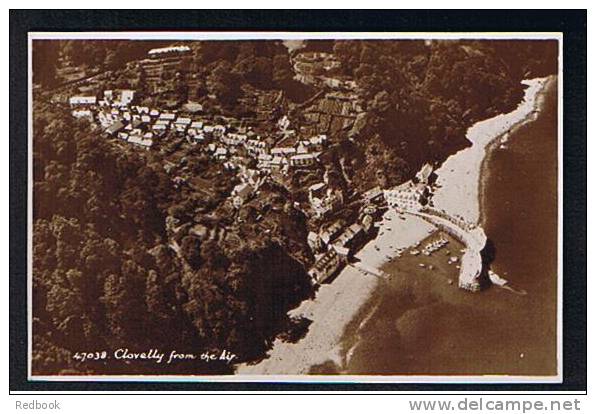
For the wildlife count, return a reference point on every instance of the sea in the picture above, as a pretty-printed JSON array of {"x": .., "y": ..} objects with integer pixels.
[{"x": 419, "y": 322}]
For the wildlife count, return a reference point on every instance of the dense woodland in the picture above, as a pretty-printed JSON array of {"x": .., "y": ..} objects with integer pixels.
[
  {"x": 106, "y": 276},
  {"x": 114, "y": 261},
  {"x": 422, "y": 96}
]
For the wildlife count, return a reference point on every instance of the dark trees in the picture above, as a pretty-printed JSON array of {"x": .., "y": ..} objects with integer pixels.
[
  {"x": 45, "y": 58},
  {"x": 224, "y": 84},
  {"x": 421, "y": 96},
  {"x": 107, "y": 273}
]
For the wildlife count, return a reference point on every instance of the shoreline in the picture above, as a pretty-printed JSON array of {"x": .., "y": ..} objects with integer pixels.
[
  {"x": 475, "y": 156},
  {"x": 337, "y": 304},
  {"x": 343, "y": 302},
  {"x": 502, "y": 139},
  {"x": 459, "y": 178}
]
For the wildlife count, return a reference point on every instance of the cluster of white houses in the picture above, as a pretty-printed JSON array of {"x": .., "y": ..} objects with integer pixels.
[
  {"x": 411, "y": 195},
  {"x": 336, "y": 242},
  {"x": 333, "y": 245},
  {"x": 339, "y": 241},
  {"x": 141, "y": 125}
]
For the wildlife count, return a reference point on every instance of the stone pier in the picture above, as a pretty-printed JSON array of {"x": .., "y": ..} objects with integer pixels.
[{"x": 472, "y": 276}]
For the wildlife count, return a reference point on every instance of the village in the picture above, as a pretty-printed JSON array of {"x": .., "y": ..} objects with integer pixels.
[
  {"x": 257, "y": 155},
  {"x": 231, "y": 144}
]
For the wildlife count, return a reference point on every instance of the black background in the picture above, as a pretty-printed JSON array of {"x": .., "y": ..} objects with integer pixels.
[{"x": 571, "y": 23}]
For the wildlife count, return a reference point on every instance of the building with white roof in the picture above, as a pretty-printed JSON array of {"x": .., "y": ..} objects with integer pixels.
[
  {"x": 171, "y": 50},
  {"x": 159, "y": 127},
  {"x": 241, "y": 194},
  {"x": 183, "y": 121},
  {"x": 140, "y": 140},
  {"x": 303, "y": 160},
  {"x": 83, "y": 113},
  {"x": 328, "y": 265},
  {"x": 221, "y": 153},
  {"x": 126, "y": 97},
  {"x": 167, "y": 115},
  {"x": 283, "y": 151},
  {"x": 82, "y": 100},
  {"x": 318, "y": 143}
]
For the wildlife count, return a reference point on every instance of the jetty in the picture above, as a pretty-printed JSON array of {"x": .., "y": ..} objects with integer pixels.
[{"x": 472, "y": 275}]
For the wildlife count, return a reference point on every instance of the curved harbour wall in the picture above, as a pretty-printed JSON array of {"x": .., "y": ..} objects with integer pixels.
[{"x": 472, "y": 275}]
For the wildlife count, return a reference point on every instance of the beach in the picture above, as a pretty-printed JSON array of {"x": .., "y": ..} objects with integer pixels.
[
  {"x": 458, "y": 184},
  {"x": 429, "y": 327},
  {"x": 337, "y": 303},
  {"x": 358, "y": 312}
]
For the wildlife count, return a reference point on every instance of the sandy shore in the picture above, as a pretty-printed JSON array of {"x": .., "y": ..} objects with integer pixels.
[
  {"x": 460, "y": 186},
  {"x": 337, "y": 303},
  {"x": 459, "y": 176}
]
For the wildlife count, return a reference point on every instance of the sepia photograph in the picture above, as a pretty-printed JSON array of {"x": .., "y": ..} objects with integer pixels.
[{"x": 239, "y": 206}]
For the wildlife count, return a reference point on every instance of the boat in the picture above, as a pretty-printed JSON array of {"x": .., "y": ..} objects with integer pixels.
[{"x": 496, "y": 279}]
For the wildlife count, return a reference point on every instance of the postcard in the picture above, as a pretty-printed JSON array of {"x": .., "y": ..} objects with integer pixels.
[{"x": 304, "y": 207}]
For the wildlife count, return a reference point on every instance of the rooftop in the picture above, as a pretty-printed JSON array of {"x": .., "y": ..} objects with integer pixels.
[{"x": 170, "y": 49}]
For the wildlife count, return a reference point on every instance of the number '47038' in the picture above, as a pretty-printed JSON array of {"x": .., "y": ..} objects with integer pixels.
[{"x": 90, "y": 356}]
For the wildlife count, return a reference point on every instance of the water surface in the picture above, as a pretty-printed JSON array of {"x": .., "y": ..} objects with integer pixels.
[{"x": 419, "y": 323}]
